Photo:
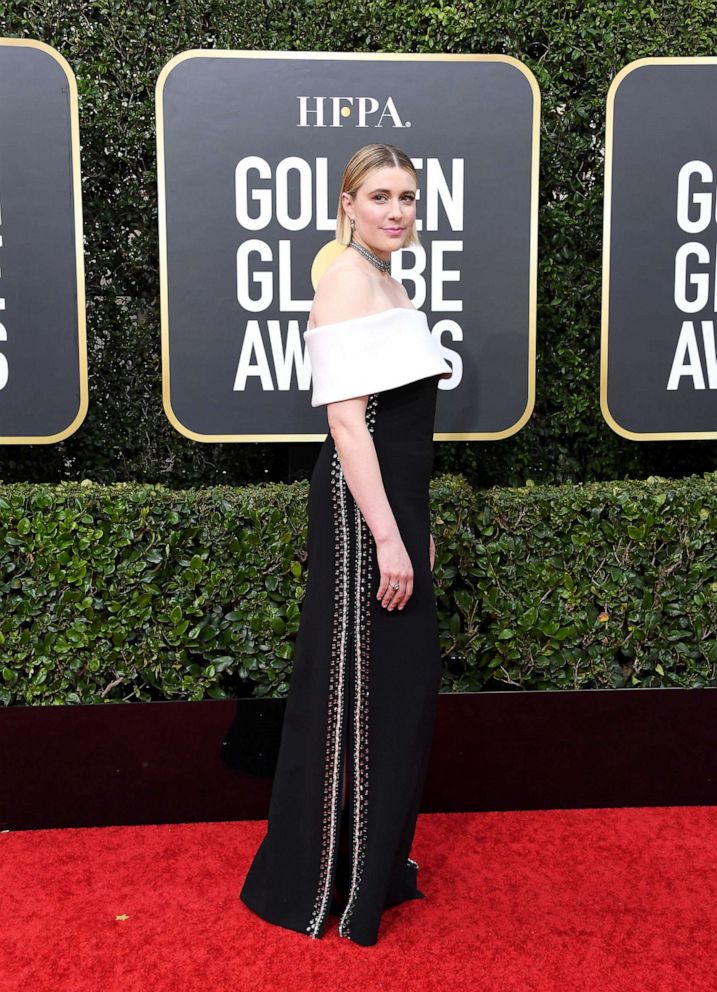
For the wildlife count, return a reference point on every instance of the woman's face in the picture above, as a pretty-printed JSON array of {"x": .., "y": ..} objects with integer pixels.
[{"x": 384, "y": 208}]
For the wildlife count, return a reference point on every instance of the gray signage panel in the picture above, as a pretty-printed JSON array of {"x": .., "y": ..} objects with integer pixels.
[
  {"x": 43, "y": 360},
  {"x": 658, "y": 360},
  {"x": 251, "y": 148}
]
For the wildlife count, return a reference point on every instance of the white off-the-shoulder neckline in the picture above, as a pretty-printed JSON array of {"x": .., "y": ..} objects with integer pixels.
[{"x": 379, "y": 313}]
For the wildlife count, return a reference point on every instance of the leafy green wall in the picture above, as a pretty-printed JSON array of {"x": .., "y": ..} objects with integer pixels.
[{"x": 138, "y": 592}]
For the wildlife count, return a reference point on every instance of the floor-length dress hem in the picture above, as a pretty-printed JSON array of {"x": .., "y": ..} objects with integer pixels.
[{"x": 336, "y": 910}]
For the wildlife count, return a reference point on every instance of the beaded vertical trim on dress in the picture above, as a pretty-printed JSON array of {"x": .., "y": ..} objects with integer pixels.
[
  {"x": 334, "y": 728},
  {"x": 364, "y": 574},
  {"x": 340, "y": 497}
]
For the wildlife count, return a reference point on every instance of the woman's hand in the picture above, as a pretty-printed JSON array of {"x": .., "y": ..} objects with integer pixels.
[
  {"x": 394, "y": 565},
  {"x": 431, "y": 551}
]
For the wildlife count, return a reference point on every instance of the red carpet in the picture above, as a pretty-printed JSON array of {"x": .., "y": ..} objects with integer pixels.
[{"x": 606, "y": 899}]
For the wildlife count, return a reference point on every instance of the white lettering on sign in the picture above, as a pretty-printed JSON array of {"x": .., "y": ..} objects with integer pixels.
[
  {"x": 688, "y": 196},
  {"x": 338, "y": 111},
  {"x": 688, "y": 362},
  {"x": 295, "y": 196},
  {"x": 695, "y": 280}
]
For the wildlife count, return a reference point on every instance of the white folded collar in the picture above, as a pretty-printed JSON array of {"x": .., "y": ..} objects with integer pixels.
[{"x": 365, "y": 355}]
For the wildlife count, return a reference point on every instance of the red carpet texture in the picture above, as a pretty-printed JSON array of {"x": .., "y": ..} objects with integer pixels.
[{"x": 568, "y": 900}]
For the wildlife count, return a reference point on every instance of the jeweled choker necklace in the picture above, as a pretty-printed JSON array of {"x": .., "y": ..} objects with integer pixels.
[{"x": 375, "y": 259}]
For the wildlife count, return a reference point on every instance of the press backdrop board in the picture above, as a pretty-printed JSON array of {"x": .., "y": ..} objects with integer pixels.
[
  {"x": 251, "y": 149},
  {"x": 43, "y": 359},
  {"x": 658, "y": 364}
]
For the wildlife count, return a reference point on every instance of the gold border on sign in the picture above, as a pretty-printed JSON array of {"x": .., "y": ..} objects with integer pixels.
[
  {"x": 365, "y": 56},
  {"x": 79, "y": 253},
  {"x": 607, "y": 208}
]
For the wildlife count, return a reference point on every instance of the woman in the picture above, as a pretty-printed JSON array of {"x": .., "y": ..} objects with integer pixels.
[{"x": 359, "y": 715}]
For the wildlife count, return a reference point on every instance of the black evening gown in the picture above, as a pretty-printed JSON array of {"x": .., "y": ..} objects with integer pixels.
[{"x": 365, "y": 681}]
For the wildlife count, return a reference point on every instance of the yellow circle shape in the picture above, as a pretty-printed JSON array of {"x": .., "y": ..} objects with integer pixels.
[{"x": 324, "y": 257}]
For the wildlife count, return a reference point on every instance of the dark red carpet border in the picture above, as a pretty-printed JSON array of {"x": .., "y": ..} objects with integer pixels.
[{"x": 568, "y": 900}]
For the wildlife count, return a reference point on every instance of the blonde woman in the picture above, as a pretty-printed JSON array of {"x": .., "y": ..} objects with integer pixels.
[{"x": 359, "y": 716}]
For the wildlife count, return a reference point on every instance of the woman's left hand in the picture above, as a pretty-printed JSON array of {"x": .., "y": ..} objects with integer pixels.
[{"x": 431, "y": 551}]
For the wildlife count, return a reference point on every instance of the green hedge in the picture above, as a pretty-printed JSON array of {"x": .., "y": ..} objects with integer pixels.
[
  {"x": 117, "y": 50},
  {"x": 138, "y": 592}
]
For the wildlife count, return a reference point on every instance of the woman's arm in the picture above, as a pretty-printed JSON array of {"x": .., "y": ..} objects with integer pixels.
[
  {"x": 343, "y": 294},
  {"x": 356, "y": 451},
  {"x": 359, "y": 462}
]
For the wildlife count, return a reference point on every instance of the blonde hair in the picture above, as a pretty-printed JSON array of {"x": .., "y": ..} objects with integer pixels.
[{"x": 363, "y": 161}]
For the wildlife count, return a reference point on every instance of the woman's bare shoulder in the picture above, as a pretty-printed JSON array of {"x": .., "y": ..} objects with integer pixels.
[
  {"x": 402, "y": 294},
  {"x": 343, "y": 293}
]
